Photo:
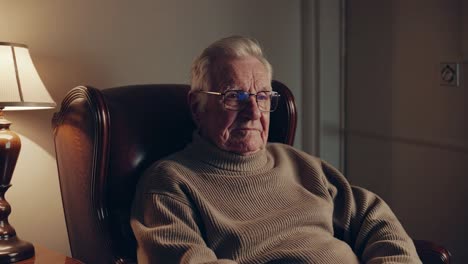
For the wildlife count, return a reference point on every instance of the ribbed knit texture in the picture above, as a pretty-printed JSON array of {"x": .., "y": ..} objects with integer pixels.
[{"x": 280, "y": 205}]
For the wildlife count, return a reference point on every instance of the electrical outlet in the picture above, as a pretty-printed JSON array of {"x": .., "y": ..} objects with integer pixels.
[{"x": 449, "y": 73}]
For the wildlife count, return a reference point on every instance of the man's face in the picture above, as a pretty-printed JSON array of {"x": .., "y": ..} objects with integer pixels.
[{"x": 246, "y": 131}]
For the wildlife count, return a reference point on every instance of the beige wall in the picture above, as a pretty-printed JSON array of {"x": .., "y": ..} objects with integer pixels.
[
  {"x": 408, "y": 135},
  {"x": 111, "y": 43}
]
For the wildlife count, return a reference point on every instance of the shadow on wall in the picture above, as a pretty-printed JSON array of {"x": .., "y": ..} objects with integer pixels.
[{"x": 60, "y": 76}]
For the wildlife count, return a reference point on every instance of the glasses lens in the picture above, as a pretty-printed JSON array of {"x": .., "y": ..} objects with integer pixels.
[
  {"x": 236, "y": 100},
  {"x": 264, "y": 100},
  {"x": 274, "y": 101}
]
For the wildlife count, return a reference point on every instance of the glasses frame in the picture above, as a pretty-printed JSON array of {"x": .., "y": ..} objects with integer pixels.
[{"x": 242, "y": 106}]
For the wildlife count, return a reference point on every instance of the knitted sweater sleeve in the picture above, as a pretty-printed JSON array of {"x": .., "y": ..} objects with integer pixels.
[
  {"x": 165, "y": 227},
  {"x": 367, "y": 224}
]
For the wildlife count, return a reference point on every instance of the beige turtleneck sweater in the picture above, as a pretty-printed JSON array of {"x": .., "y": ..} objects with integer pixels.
[{"x": 280, "y": 205}]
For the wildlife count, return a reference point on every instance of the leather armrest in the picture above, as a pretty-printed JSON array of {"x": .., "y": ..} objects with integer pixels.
[{"x": 431, "y": 253}]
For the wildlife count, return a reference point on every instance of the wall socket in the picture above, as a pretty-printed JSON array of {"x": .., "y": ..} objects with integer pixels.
[{"x": 449, "y": 73}]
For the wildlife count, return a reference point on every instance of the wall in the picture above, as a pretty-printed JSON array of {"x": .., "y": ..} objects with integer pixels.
[
  {"x": 111, "y": 43},
  {"x": 407, "y": 136}
]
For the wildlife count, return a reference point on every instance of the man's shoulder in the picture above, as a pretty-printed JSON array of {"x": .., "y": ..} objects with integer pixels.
[
  {"x": 291, "y": 150},
  {"x": 287, "y": 152},
  {"x": 165, "y": 175},
  {"x": 171, "y": 166}
]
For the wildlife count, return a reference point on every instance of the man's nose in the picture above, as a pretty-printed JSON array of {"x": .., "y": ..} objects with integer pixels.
[{"x": 251, "y": 110}]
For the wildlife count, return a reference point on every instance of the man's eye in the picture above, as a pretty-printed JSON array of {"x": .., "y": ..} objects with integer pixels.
[
  {"x": 231, "y": 96},
  {"x": 262, "y": 96}
]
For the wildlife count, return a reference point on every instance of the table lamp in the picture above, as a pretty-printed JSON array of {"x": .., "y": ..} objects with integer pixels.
[{"x": 20, "y": 89}]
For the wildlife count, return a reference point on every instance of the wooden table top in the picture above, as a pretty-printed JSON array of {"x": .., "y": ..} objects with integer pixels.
[{"x": 46, "y": 256}]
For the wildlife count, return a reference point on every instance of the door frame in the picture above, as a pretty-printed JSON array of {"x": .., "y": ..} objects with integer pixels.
[{"x": 323, "y": 79}]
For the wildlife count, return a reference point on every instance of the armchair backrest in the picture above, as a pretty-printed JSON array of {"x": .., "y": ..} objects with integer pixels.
[{"x": 105, "y": 139}]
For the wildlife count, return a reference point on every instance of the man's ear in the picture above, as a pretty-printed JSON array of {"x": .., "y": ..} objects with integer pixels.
[{"x": 194, "y": 105}]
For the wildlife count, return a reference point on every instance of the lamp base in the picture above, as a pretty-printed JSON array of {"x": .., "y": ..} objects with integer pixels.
[{"x": 14, "y": 249}]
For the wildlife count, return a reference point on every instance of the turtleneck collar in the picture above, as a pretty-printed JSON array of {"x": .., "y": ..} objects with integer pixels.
[{"x": 208, "y": 153}]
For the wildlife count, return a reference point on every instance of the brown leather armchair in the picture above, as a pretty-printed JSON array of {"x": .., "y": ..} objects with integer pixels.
[{"x": 105, "y": 139}]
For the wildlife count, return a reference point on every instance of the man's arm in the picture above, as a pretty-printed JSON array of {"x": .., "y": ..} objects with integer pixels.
[
  {"x": 166, "y": 225},
  {"x": 367, "y": 224},
  {"x": 167, "y": 232}
]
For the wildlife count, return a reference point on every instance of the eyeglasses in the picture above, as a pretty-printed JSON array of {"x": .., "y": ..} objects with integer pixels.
[{"x": 237, "y": 100}]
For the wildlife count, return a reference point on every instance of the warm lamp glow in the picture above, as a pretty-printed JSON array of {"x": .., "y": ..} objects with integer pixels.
[{"x": 21, "y": 88}]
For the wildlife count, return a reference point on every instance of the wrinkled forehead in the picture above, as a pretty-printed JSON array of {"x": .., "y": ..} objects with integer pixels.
[{"x": 241, "y": 73}]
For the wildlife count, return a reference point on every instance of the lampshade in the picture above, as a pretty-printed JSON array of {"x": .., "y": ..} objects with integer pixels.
[{"x": 21, "y": 88}]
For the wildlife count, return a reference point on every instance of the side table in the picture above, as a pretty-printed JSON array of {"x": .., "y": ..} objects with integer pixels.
[{"x": 47, "y": 256}]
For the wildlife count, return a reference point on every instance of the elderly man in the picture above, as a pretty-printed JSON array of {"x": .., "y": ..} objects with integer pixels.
[{"x": 229, "y": 197}]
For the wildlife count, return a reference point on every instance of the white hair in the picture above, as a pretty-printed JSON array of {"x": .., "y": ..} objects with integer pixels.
[{"x": 234, "y": 47}]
